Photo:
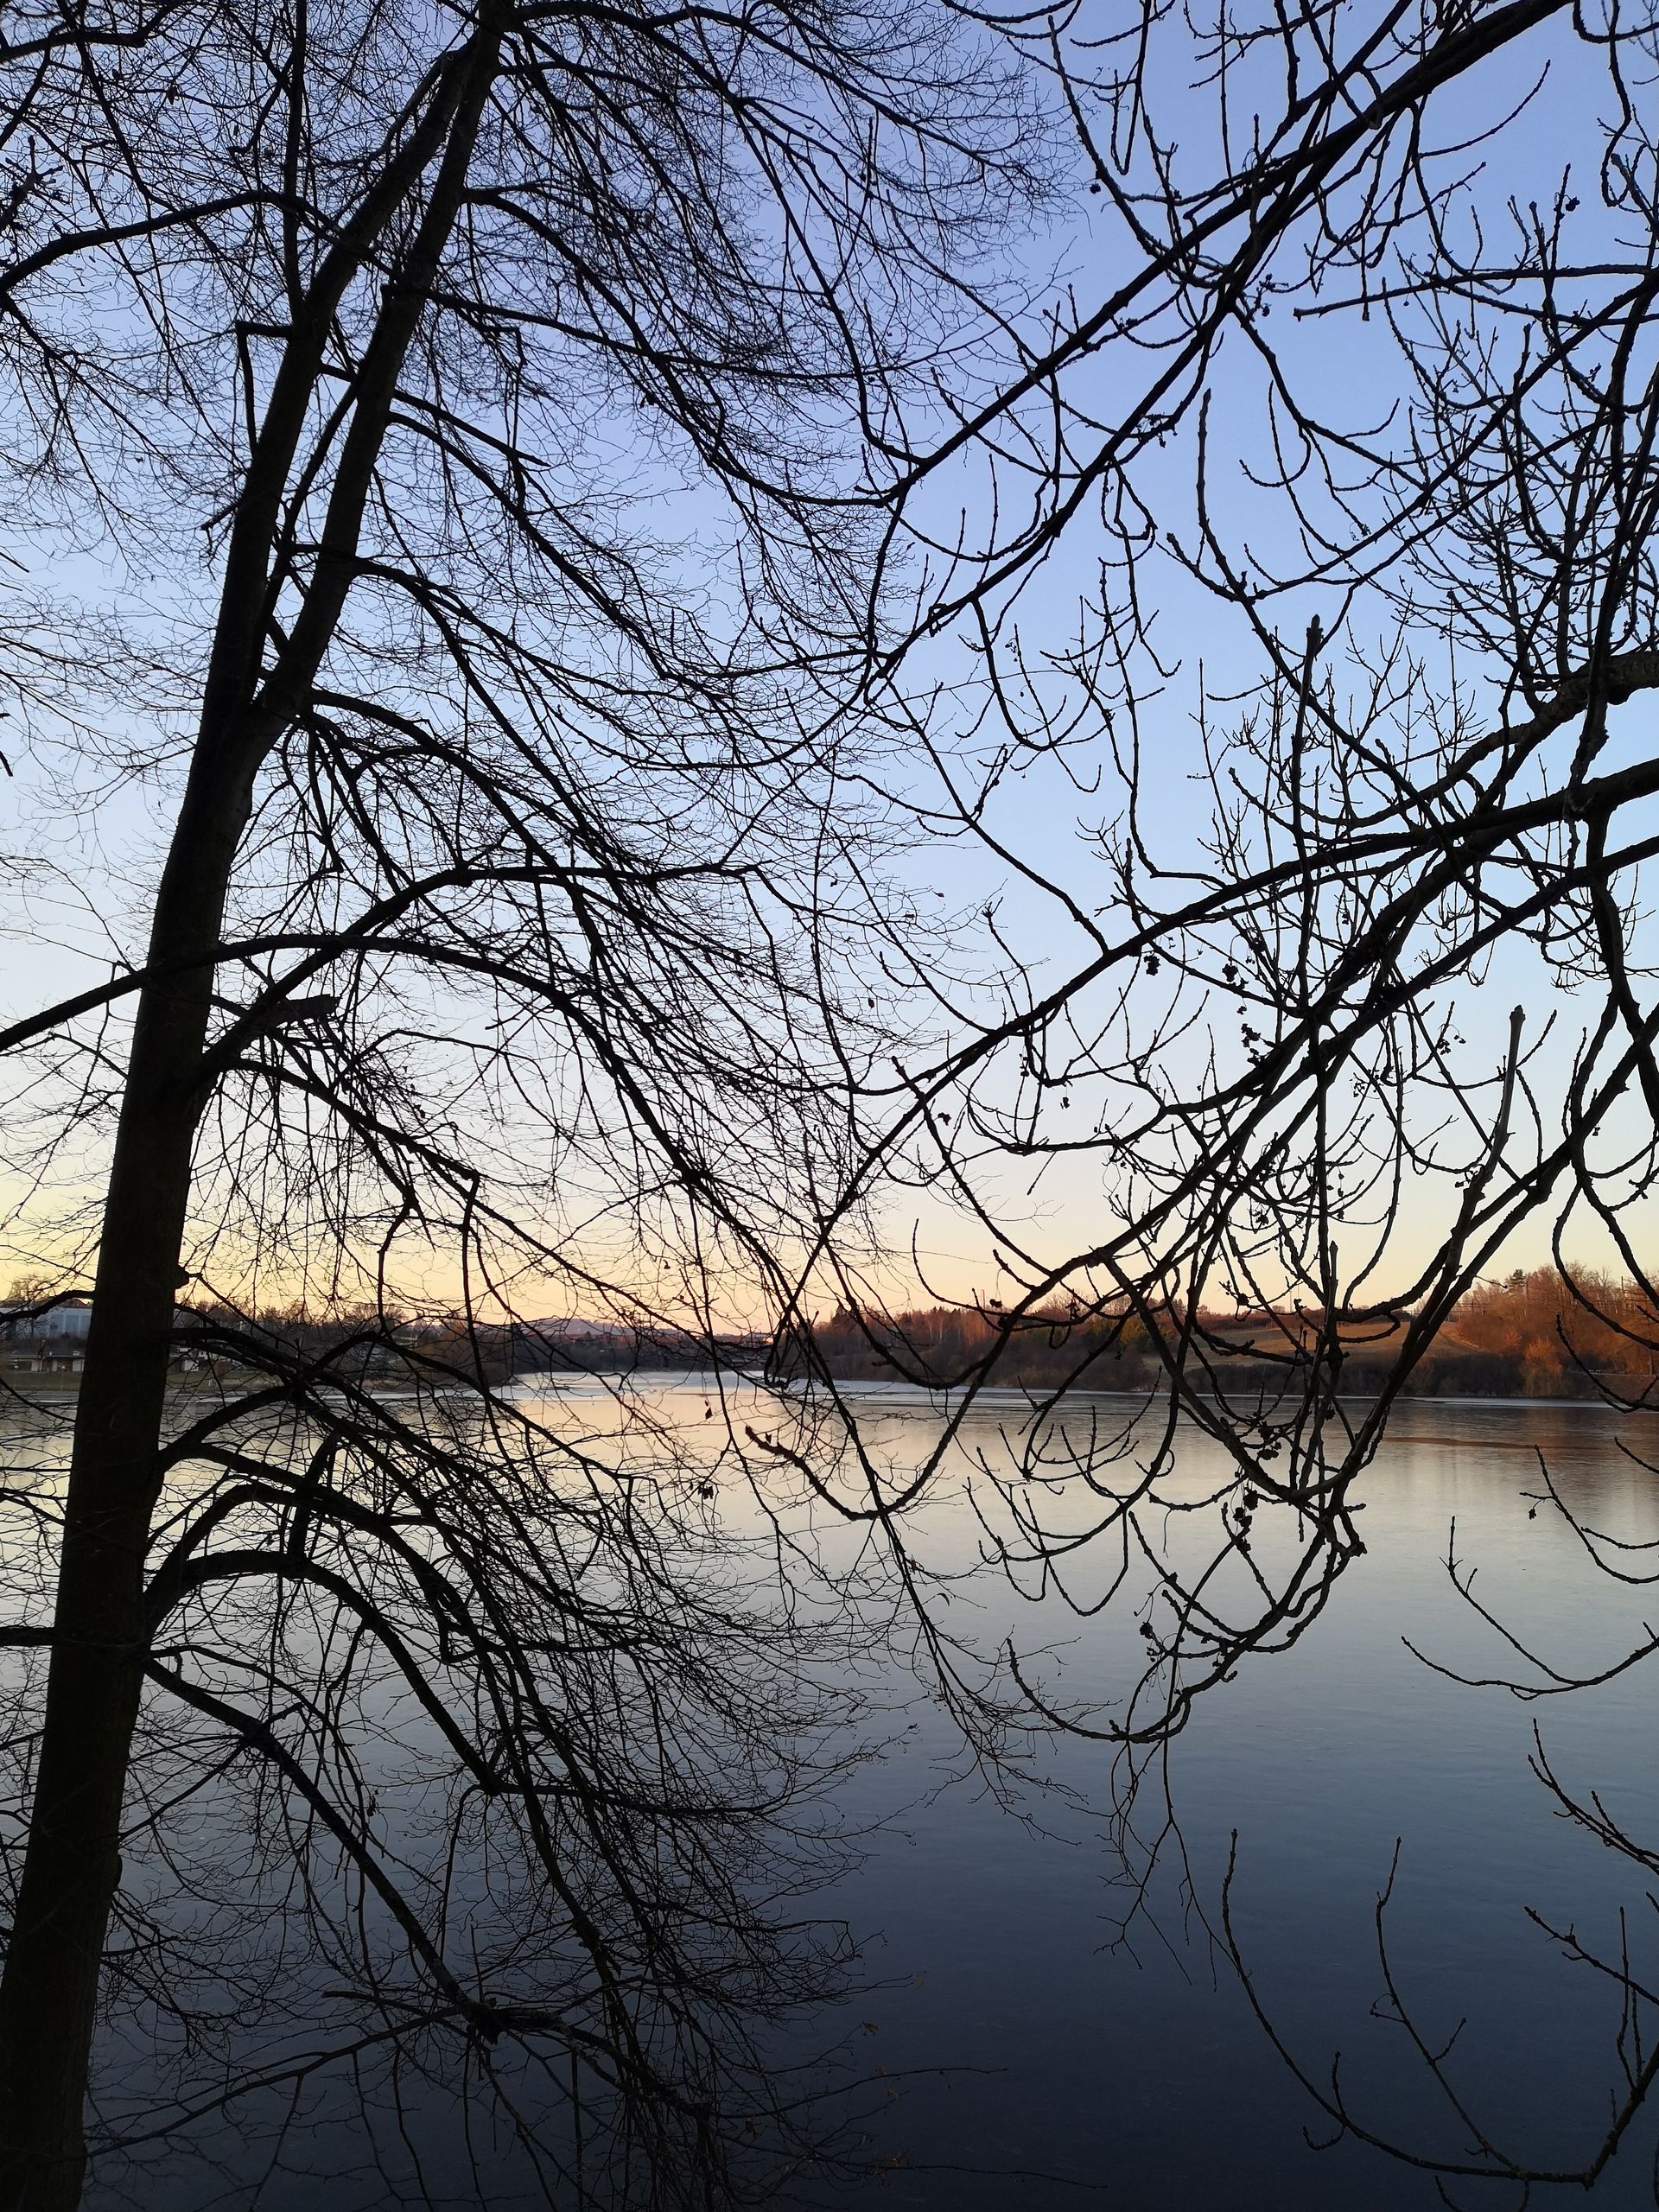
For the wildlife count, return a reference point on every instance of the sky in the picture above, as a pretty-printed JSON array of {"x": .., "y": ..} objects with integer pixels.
[
  {"x": 1350, "y": 371},
  {"x": 90, "y": 897}
]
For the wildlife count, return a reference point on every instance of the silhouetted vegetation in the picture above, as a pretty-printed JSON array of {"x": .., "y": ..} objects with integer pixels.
[
  {"x": 560, "y": 457},
  {"x": 1537, "y": 1333}
]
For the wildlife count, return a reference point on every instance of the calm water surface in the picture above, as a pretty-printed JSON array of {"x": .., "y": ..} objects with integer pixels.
[
  {"x": 1138, "y": 2071},
  {"x": 1038, "y": 2061}
]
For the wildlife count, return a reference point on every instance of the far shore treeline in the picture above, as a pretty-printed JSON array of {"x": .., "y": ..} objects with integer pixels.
[{"x": 1536, "y": 1333}]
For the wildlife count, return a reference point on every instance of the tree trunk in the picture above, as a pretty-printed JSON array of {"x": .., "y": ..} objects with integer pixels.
[{"x": 48, "y": 1994}]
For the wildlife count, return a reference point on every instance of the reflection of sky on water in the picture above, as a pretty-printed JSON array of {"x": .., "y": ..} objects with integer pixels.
[{"x": 1144, "y": 2073}]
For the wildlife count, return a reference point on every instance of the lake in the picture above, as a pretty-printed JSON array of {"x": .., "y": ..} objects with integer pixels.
[
  {"x": 1023, "y": 2049},
  {"x": 1138, "y": 2067}
]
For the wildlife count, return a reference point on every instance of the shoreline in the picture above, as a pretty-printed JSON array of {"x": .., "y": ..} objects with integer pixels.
[{"x": 35, "y": 1389}]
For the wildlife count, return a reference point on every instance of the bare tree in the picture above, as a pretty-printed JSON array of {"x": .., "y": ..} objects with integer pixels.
[
  {"x": 562, "y": 397},
  {"x": 1373, "y": 412},
  {"x": 1257, "y": 1056},
  {"x": 513, "y": 386}
]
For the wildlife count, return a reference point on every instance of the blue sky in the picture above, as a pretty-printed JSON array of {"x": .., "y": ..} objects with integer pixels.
[{"x": 1047, "y": 812}]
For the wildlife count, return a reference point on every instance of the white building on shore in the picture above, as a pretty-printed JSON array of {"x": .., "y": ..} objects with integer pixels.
[{"x": 50, "y": 1340}]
